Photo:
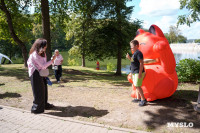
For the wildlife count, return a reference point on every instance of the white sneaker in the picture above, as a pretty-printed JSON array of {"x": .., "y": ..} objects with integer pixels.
[{"x": 58, "y": 82}]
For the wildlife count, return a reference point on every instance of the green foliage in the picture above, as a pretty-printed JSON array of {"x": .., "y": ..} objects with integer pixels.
[
  {"x": 37, "y": 30},
  {"x": 174, "y": 35},
  {"x": 72, "y": 62},
  {"x": 167, "y": 36},
  {"x": 182, "y": 39},
  {"x": 58, "y": 38},
  {"x": 188, "y": 70},
  {"x": 22, "y": 22},
  {"x": 105, "y": 38},
  {"x": 59, "y": 11},
  {"x": 97, "y": 28},
  {"x": 110, "y": 67},
  {"x": 197, "y": 41},
  {"x": 9, "y": 49},
  {"x": 74, "y": 56},
  {"x": 194, "y": 12},
  {"x": 74, "y": 51}
]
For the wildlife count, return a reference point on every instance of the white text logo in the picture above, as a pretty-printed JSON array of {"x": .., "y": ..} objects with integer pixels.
[{"x": 180, "y": 124}]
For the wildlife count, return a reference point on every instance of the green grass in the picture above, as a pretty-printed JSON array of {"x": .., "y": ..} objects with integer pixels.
[
  {"x": 15, "y": 86},
  {"x": 14, "y": 79},
  {"x": 90, "y": 64}
]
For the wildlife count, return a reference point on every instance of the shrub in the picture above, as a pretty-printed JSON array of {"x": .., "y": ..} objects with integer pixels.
[
  {"x": 110, "y": 67},
  {"x": 72, "y": 62},
  {"x": 188, "y": 70}
]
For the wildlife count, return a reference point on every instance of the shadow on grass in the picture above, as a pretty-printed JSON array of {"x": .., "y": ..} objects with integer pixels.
[
  {"x": 9, "y": 95},
  {"x": 71, "y": 75},
  {"x": 21, "y": 74},
  {"x": 2, "y": 84},
  {"x": 177, "y": 108},
  {"x": 83, "y": 111}
]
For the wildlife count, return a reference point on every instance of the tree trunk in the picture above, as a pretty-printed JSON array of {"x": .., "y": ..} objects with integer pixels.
[
  {"x": 46, "y": 26},
  {"x": 83, "y": 59},
  {"x": 119, "y": 38},
  {"x": 10, "y": 56},
  {"x": 119, "y": 60},
  {"x": 83, "y": 46},
  {"x": 198, "y": 100},
  {"x": 12, "y": 32},
  {"x": 4, "y": 61}
]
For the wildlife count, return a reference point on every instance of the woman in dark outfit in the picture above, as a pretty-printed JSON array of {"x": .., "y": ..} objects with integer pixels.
[{"x": 36, "y": 62}]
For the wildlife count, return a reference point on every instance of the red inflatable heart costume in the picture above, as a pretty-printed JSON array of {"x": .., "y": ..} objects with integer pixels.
[{"x": 161, "y": 79}]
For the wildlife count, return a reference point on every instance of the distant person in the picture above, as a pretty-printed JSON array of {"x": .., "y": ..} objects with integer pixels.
[
  {"x": 197, "y": 107},
  {"x": 137, "y": 70},
  {"x": 36, "y": 62},
  {"x": 57, "y": 65}
]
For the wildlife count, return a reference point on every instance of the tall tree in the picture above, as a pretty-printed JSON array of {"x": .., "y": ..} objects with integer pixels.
[
  {"x": 173, "y": 34},
  {"x": 105, "y": 27},
  {"x": 83, "y": 15},
  {"x": 182, "y": 39},
  {"x": 120, "y": 14},
  {"x": 58, "y": 10},
  {"x": 9, "y": 13},
  {"x": 59, "y": 38},
  {"x": 103, "y": 38},
  {"x": 46, "y": 26},
  {"x": 194, "y": 12},
  {"x": 77, "y": 29},
  {"x": 18, "y": 8},
  {"x": 119, "y": 7}
]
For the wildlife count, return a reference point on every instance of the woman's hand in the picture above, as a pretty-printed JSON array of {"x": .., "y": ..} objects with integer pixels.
[
  {"x": 128, "y": 56},
  {"x": 61, "y": 61},
  {"x": 53, "y": 58}
]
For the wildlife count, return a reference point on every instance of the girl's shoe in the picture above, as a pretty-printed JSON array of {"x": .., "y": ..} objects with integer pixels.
[{"x": 49, "y": 106}]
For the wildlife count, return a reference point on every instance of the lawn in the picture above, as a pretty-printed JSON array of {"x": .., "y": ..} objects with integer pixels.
[
  {"x": 98, "y": 96},
  {"x": 78, "y": 61}
]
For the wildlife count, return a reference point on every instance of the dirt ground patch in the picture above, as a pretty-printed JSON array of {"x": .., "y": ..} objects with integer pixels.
[{"x": 103, "y": 98}]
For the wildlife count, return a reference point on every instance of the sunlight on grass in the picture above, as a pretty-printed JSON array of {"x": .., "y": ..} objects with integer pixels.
[
  {"x": 89, "y": 64},
  {"x": 14, "y": 78}
]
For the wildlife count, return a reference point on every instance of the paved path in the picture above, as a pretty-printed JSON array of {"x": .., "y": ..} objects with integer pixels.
[{"x": 13, "y": 120}]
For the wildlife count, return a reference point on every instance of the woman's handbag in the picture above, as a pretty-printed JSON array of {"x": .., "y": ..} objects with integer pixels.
[{"x": 42, "y": 72}]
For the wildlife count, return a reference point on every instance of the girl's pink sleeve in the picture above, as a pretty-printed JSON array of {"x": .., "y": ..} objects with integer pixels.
[{"x": 38, "y": 62}]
